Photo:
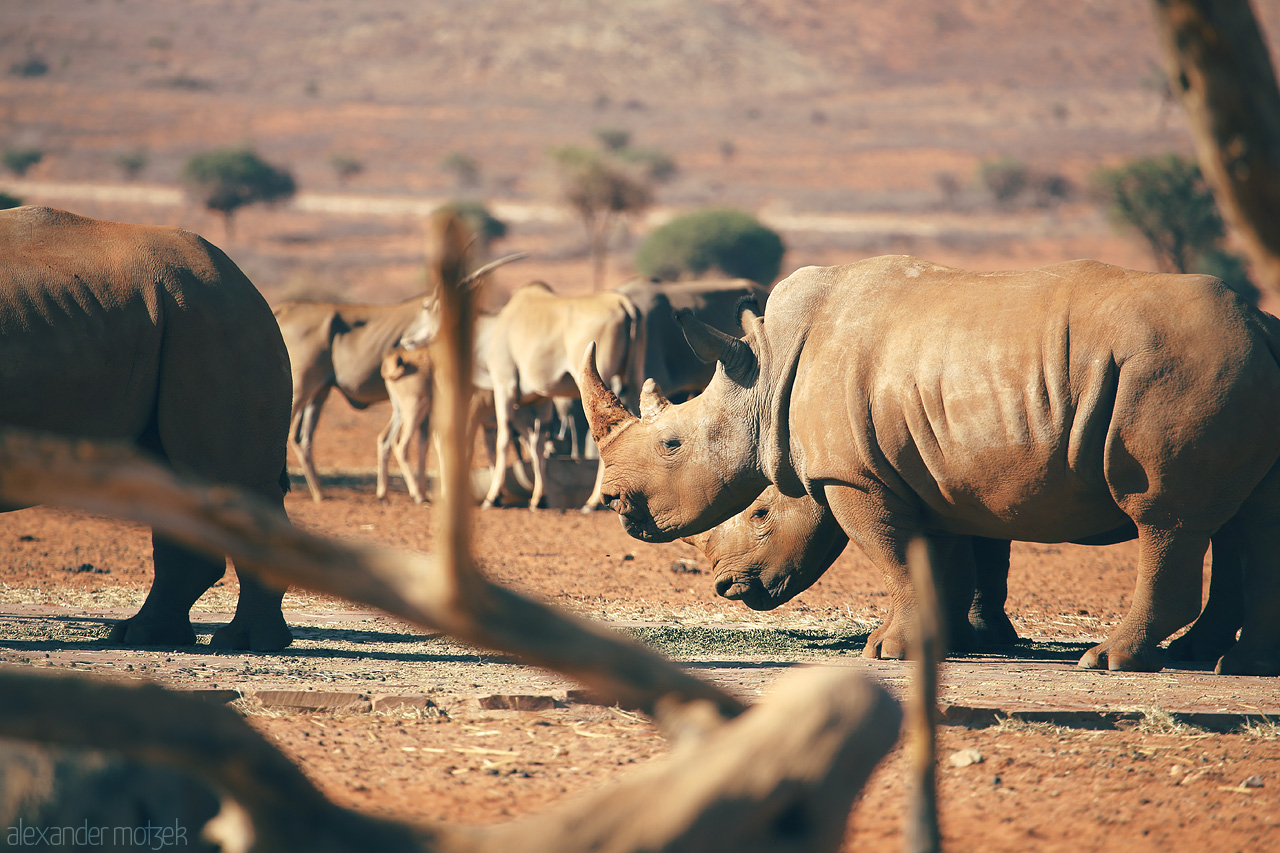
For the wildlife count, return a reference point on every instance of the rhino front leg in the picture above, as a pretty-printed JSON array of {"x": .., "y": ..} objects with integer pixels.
[
  {"x": 181, "y": 576},
  {"x": 1166, "y": 597},
  {"x": 884, "y": 531}
]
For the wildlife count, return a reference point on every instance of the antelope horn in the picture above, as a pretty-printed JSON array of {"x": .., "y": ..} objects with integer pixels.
[
  {"x": 490, "y": 267},
  {"x": 652, "y": 401},
  {"x": 604, "y": 410}
]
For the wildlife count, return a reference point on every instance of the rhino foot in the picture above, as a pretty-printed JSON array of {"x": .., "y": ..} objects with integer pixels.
[
  {"x": 1200, "y": 645},
  {"x": 239, "y": 635},
  {"x": 888, "y": 642},
  {"x": 1111, "y": 655},
  {"x": 139, "y": 630},
  {"x": 1241, "y": 660},
  {"x": 993, "y": 631}
]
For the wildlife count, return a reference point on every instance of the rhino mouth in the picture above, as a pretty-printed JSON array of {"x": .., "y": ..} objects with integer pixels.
[
  {"x": 644, "y": 528},
  {"x": 750, "y": 591}
]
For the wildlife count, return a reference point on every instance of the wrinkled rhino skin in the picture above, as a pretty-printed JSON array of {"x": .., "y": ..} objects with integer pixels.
[
  {"x": 1047, "y": 405},
  {"x": 152, "y": 336}
]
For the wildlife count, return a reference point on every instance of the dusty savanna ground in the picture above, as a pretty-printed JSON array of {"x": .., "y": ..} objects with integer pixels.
[
  {"x": 855, "y": 129},
  {"x": 1153, "y": 785}
]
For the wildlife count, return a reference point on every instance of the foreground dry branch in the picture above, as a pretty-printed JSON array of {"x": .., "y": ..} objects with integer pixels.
[{"x": 781, "y": 775}]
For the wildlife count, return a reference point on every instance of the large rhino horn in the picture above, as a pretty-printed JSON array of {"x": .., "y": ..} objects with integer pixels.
[
  {"x": 712, "y": 345},
  {"x": 604, "y": 410}
]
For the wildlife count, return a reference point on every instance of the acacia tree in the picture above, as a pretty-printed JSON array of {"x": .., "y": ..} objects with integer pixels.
[
  {"x": 600, "y": 189},
  {"x": 1168, "y": 202},
  {"x": 227, "y": 179}
]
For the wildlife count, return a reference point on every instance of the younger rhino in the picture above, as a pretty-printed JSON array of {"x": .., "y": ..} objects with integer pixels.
[
  {"x": 150, "y": 336},
  {"x": 1047, "y": 405},
  {"x": 779, "y": 546}
]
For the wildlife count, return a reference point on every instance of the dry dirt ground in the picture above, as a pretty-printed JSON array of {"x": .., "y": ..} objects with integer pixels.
[{"x": 1080, "y": 760}]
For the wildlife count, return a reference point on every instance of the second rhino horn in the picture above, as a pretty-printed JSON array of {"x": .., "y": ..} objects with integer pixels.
[{"x": 652, "y": 401}]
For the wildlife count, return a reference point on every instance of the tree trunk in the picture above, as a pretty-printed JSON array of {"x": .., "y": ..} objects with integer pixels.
[{"x": 1219, "y": 67}]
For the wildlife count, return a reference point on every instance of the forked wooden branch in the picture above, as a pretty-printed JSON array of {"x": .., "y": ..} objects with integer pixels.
[
  {"x": 1218, "y": 65},
  {"x": 780, "y": 776},
  {"x": 118, "y": 481}
]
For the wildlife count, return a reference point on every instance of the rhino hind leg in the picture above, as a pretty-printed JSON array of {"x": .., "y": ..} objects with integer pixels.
[
  {"x": 181, "y": 577},
  {"x": 258, "y": 625},
  {"x": 986, "y": 612},
  {"x": 1258, "y": 650},
  {"x": 1214, "y": 631},
  {"x": 1166, "y": 597}
]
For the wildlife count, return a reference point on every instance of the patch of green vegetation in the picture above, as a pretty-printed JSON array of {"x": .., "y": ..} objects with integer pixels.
[{"x": 694, "y": 641}]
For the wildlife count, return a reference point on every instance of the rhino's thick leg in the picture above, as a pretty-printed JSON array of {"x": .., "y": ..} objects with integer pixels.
[
  {"x": 991, "y": 589},
  {"x": 1166, "y": 597},
  {"x": 883, "y": 526},
  {"x": 1258, "y": 651},
  {"x": 1214, "y": 631},
  {"x": 259, "y": 624},
  {"x": 181, "y": 577}
]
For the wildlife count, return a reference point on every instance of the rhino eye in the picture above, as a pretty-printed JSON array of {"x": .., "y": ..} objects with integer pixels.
[
  {"x": 759, "y": 513},
  {"x": 670, "y": 444}
]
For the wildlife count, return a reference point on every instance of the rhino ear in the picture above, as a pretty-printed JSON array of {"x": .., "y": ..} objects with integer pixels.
[
  {"x": 652, "y": 401},
  {"x": 711, "y": 345}
]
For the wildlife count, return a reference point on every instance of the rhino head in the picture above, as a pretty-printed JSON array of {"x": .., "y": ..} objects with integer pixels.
[
  {"x": 677, "y": 470},
  {"x": 773, "y": 550}
]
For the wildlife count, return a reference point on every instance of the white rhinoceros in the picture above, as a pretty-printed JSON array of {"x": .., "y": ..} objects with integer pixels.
[
  {"x": 154, "y": 337},
  {"x": 1047, "y": 405}
]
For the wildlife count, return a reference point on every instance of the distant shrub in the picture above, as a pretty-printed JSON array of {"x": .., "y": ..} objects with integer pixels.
[
  {"x": 463, "y": 167},
  {"x": 478, "y": 219},
  {"x": 32, "y": 66},
  {"x": 1004, "y": 177},
  {"x": 658, "y": 166},
  {"x": 19, "y": 160},
  {"x": 7, "y": 201},
  {"x": 1166, "y": 200},
  {"x": 131, "y": 163},
  {"x": 612, "y": 138},
  {"x": 1229, "y": 267},
  {"x": 345, "y": 166},
  {"x": 723, "y": 239}
]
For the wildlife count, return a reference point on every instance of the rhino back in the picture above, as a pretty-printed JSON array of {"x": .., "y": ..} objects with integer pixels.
[
  {"x": 1000, "y": 402},
  {"x": 107, "y": 329}
]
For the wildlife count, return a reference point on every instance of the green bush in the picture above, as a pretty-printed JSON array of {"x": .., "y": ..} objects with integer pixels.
[
  {"x": 1229, "y": 267},
  {"x": 227, "y": 179},
  {"x": 730, "y": 241},
  {"x": 19, "y": 160},
  {"x": 1166, "y": 200},
  {"x": 1004, "y": 177},
  {"x": 484, "y": 225}
]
